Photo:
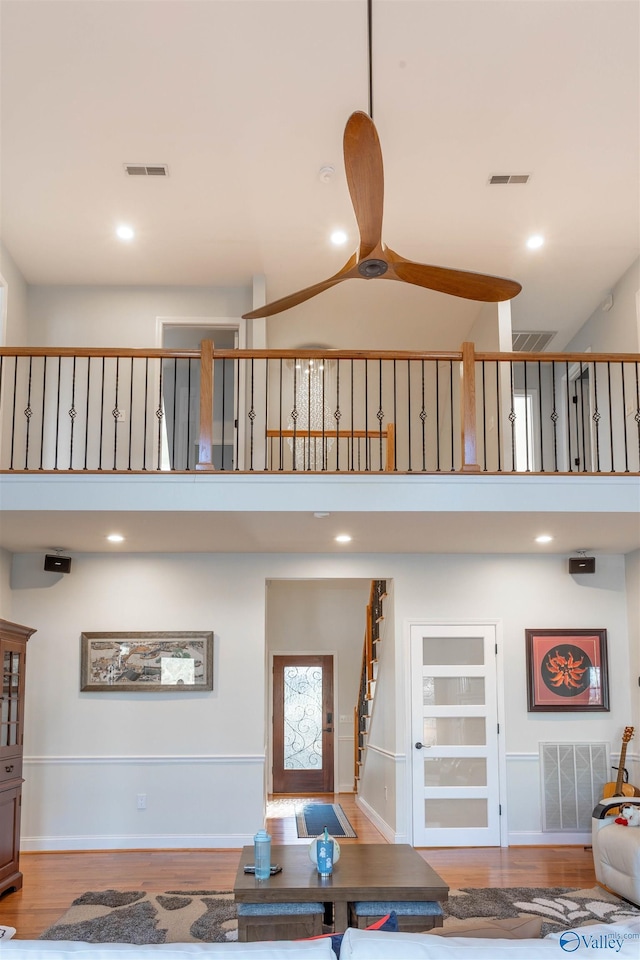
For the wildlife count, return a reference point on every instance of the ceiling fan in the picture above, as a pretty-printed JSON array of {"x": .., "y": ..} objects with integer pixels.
[{"x": 374, "y": 260}]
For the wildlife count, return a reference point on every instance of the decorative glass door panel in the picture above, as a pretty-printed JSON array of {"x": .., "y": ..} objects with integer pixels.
[
  {"x": 302, "y": 724},
  {"x": 302, "y": 717},
  {"x": 454, "y": 735}
]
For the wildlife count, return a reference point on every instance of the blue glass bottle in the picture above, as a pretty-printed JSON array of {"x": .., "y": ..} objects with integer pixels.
[
  {"x": 262, "y": 855},
  {"x": 324, "y": 852}
]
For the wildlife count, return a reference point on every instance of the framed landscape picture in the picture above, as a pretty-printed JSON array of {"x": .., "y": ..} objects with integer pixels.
[
  {"x": 567, "y": 670},
  {"x": 151, "y": 662}
]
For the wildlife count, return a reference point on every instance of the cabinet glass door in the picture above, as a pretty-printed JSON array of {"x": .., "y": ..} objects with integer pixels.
[{"x": 10, "y": 712}]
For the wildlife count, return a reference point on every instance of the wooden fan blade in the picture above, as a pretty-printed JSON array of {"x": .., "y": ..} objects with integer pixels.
[
  {"x": 285, "y": 303},
  {"x": 363, "y": 167},
  {"x": 457, "y": 283}
]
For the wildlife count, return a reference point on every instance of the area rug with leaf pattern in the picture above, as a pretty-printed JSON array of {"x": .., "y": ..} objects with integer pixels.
[{"x": 209, "y": 916}]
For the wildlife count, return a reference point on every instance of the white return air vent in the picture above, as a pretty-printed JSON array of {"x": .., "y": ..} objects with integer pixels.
[
  {"x": 531, "y": 341},
  {"x": 146, "y": 169},
  {"x": 573, "y": 776},
  {"x": 509, "y": 178}
]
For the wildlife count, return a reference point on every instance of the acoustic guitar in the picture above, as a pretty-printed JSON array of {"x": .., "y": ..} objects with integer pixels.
[{"x": 620, "y": 789}]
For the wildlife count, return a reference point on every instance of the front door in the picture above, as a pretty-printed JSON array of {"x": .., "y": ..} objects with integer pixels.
[
  {"x": 303, "y": 724},
  {"x": 456, "y": 798}
]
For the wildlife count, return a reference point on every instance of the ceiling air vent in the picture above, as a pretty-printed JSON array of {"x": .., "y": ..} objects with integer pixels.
[
  {"x": 510, "y": 178},
  {"x": 146, "y": 169},
  {"x": 532, "y": 341}
]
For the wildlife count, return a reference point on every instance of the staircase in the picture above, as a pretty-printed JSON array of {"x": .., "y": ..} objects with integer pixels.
[{"x": 366, "y": 693}]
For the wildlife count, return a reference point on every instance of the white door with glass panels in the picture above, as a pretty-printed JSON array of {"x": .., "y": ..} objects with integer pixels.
[{"x": 454, "y": 742}]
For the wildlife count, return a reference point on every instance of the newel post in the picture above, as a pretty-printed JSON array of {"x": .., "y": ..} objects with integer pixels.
[
  {"x": 468, "y": 409},
  {"x": 205, "y": 459}
]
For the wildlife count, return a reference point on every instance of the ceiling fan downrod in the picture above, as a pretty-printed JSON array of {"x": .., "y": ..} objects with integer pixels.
[{"x": 370, "y": 48}]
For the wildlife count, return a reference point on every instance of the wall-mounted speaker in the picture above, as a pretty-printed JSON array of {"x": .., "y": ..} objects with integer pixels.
[
  {"x": 56, "y": 564},
  {"x": 582, "y": 565}
]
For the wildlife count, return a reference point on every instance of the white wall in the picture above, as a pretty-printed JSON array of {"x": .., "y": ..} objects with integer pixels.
[
  {"x": 324, "y": 616},
  {"x": 90, "y": 754},
  {"x": 121, "y": 316},
  {"x": 530, "y": 592},
  {"x": 614, "y": 331},
  {"x": 485, "y": 332},
  {"x": 15, "y": 333},
  {"x": 200, "y": 757},
  {"x": 5, "y": 592}
]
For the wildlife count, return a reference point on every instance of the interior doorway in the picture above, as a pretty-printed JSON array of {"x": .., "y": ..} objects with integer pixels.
[
  {"x": 322, "y": 618},
  {"x": 577, "y": 391},
  {"x": 181, "y": 391}
]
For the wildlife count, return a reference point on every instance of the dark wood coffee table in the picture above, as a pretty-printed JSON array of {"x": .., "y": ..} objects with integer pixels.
[{"x": 367, "y": 871}]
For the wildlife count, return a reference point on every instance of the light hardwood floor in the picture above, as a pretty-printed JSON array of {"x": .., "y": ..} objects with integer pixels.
[{"x": 53, "y": 880}]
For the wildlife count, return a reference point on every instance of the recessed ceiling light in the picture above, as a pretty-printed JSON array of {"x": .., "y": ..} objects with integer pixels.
[
  {"x": 115, "y": 538},
  {"x": 544, "y": 538},
  {"x": 343, "y": 538},
  {"x": 125, "y": 232},
  {"x": 338, "y": 238},
  {"x": 321, "y": 515},
  {"x": 535, "y": 242}
]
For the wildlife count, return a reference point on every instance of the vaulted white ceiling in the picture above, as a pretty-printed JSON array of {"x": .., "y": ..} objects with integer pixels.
[{"x": 245, "y": 102}]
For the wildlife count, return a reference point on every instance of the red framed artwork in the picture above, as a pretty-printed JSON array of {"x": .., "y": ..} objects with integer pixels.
[{"x": 567, "y": 670}]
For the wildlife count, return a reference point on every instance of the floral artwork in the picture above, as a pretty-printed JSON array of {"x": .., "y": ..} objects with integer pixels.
[
  {"x": 160, "y": 662},
  {"x": 567, "y": 670}
]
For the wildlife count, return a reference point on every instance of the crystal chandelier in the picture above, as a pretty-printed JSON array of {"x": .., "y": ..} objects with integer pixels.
[{"x": 311, "y": 417}]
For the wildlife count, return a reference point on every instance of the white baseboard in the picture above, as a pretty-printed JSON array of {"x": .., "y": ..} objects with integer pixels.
[
  {"x": 387, "y": 832},
  {"x": 531, "y": 838},
  {"x": 149, "y": 842}
]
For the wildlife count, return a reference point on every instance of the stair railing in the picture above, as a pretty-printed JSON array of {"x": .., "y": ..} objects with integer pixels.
[{"x": 368, "y": 675}]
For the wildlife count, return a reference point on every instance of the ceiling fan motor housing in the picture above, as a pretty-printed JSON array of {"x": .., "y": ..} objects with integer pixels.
[{"x": 372, "y": 268}]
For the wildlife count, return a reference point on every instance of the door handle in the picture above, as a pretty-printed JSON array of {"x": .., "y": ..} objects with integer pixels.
[
  {"x": 327, "y": 729},
  {"x": 419, "y": 746}
]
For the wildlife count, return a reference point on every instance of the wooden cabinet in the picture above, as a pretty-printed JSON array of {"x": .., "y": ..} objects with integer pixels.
[{"x": 13, "y": 655}]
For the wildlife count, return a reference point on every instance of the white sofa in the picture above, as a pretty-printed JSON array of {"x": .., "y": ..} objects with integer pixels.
[
  {"x": 596, "y": 940},
  {"x": 616, "y": 850}
]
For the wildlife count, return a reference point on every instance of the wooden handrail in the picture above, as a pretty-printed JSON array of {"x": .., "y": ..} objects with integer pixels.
[
  {"x": 368, "y": 641},
  {"x": 151, "y": 352},
  {"x": 264, "y": 354},
  {"x": 386, "y": 433},
  {"x": 332, "y": 434},
  {"x": 561, "y": 357}
]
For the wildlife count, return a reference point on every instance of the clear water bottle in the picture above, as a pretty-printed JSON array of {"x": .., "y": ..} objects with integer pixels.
[{"x": 262, "y": 854}]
